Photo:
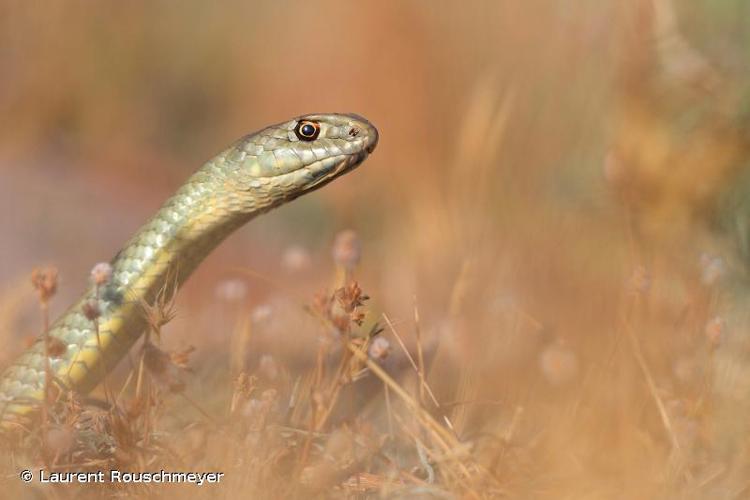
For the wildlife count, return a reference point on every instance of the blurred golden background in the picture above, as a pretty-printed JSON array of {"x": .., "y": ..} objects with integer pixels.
[{"x": 557, "y": 194}]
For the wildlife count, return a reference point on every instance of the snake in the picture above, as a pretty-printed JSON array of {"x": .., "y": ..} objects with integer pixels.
[{"x": 260, "y": 171}]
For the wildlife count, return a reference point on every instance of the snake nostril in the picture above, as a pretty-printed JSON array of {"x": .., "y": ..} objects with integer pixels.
[{"x": 353, "y": 132}]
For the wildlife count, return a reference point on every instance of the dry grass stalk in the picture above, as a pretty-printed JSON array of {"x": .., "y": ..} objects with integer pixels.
[{"x": 45, "y": 282}]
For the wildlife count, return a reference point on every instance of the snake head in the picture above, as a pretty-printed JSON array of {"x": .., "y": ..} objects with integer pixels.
[{"x": 291, "y": 158}]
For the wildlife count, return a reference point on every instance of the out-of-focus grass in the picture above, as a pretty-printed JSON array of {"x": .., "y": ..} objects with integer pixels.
[{"x": 551, "y": 197}]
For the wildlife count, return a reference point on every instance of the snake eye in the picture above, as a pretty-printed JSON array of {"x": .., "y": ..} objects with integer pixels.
[{"x": 307, "y": 130}]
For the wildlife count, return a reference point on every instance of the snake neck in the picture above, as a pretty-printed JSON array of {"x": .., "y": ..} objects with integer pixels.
[
  {"x": 168, "y": 248},
  {"x": 161, "y": 255}
]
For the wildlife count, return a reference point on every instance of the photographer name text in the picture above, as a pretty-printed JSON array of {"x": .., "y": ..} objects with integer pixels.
[{"x": 116, "y": 476}]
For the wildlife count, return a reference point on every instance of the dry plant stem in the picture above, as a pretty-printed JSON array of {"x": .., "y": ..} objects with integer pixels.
[
  {"x": 460, "y": 478},
  {"x": 125, "y": 385},
  {"x": 634, "y": 342},
  {"x": 314, "y": 390},
  {"x": 420, "y": 355},
  {"x": 666, "y": 421},
  {"x": 304, "y": 384},
  {"x": 241, "y": 335},
  {"x": 406, "y": 429},
  {"x": 389, "y": 409},
  {"x": 45, "y": 283},
  {"x": 337, "y": 383},
  {"x": 440, "y": 435},
  {"x": 47, "y": 372},
  {"x": 420, "y": 371},
  {"x": 139, "y": 378},
  {"x": 293, "y": 398},
  {"x": 406, "y": 475},
  {"x": 47, "y": 369},
  {"x": 422, "y": 384},
  {"x": 409, "y": 356},
  {"x": 514, "y": 423},
  {"x": 147, "y": 420},
  {"x": 199, "y": 409}
]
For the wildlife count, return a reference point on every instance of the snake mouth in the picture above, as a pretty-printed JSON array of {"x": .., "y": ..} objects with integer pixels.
[
  {"x": 314, "y": 175},
  {"x": 322, "y": 171},
  {"x": 373, "y": 140}
]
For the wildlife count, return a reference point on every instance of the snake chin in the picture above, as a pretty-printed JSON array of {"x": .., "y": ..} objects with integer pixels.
[{"x": 329, "y": 168}]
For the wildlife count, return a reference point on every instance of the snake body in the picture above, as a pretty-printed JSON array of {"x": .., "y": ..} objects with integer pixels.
[{"x": 259, "y": 172}]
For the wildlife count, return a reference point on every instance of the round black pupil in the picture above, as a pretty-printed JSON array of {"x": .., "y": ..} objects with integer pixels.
[{"x": 307, "y": 130}]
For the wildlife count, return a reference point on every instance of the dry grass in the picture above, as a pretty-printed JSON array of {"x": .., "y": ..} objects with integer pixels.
[{"x": 280, "y": 436}]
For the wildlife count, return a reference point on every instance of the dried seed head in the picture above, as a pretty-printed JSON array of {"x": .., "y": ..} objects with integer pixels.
[
  {"x": 244, "y": 385},
  {"x": 181, "y": 359},
  {"x": 295, "y": 259},
  {"x": 44, "y": 281},
  {"x": 268, "y": 368},
  {"x": 379, "y": 348},
  {"x": 262, "y": 313},
  {"x": 349, "y": 300},
  {"x": 716, "y": 330},
  {"x": 231, "y": 290},
  {"x": 160, "y": 365},
  {"x": 91, "y": 310},
  {"x": 160, "y": 312},
  {"x": 101, "y": 273},
  {"x": 559, "y": 364},
  {"x": 347, "y": 249},
  {"x": 342, "y": 308},
  {"x": 640, "y": 281}
]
